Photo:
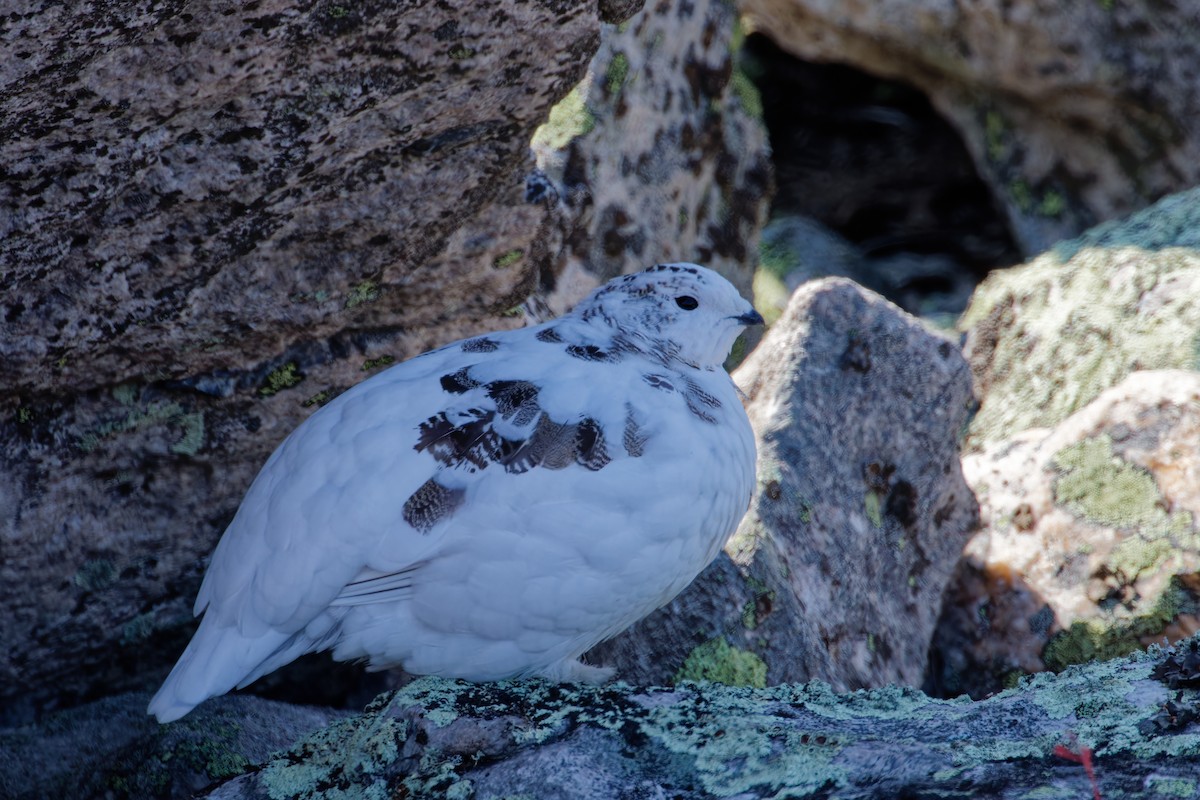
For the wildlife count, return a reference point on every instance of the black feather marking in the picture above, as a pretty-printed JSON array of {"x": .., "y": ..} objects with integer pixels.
[
  {"x": 551, "y": 445},
  {"x": 590, "y": 451},
  {"x": 659, "y": 382},
  {"x": 430, "y": 504},
  {"x": 480, "y": 345},
  {"x": 515, "y": 400},
  {"x": 633, "y": 440},
  {"x": 699, "y": 412},
  {"x": 471, "y": 443},
  {"x": 694, "y": 392},
  {"x": 589, "y": 352},
  {"x": 459, "y": 382},
  {"x": 549, "y": 335}
]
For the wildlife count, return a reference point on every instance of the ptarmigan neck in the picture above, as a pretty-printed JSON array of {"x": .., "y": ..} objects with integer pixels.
[{"x": 605, "y": 333}]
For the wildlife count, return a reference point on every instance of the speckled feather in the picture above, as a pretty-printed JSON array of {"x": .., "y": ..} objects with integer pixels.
[{"x": 494, "y": 508}]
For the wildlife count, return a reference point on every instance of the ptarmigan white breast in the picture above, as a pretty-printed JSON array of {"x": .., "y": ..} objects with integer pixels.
[{"x": 494, "y": 508}]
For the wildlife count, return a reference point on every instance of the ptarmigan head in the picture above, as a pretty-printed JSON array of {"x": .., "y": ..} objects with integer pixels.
[{"x": 686, "y": 310}]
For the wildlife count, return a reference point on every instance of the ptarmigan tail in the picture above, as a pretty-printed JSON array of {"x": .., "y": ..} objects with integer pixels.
[{"x": 216, "y": 660}]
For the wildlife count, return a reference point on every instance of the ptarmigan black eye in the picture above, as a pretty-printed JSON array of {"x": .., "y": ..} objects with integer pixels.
[{"x": 687, "y": 302}]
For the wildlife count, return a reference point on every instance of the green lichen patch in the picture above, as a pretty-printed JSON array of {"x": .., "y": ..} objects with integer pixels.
[
  {"x": 320, "y": 398},
  {"x": 570, "y": 117},
  {"x": 616, "y": 74},
  {"x": 1058, "y": 331},
  {"x": 193, "y": 434},
  {"x": 1096, "y": 485},
  {"x": 1173, "y": 787},
  {"x": 1099, "y": 487},
  {"x": 738, "y": 750},
  {"x": 362, "y": 293},
  {"x": 284, "y": 377},
  {"x": 348, "y": 759},
  {"x": 138, "y": 629},
  {"x": 1111, "y": 637},
  {"x": 506, "y": 260},
  {"x": 376, "y": 363},
  {"x": 96, "y": 575},
  {"x": 717, "y": 662},
  {"x": 134, "y": 419}
]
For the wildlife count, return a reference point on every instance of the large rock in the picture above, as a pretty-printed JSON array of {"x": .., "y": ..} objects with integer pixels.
[
  {"x": 1074, "y": 113},
  {"x": 1090, "y": 546},
  {"x": 658, "y": 155},
  {"x": 1125, "y": 729},
  {"x": 1047, "y": 338},
  {"x": 1084, "y": 454},
  {"x": 213, "y": 217},
  {"x": 860, "y": 516}
]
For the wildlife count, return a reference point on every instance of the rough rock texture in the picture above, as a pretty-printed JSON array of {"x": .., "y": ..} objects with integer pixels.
[
  {"x": 111, "y": 749},
  {"x": 1074, "y": 113},
  {"x": 1090, "y": 548},
  {"x": 860, "y": 516},
  {"x": 1135, "y": 721},
  {"x": 213, "y": 217},
  {"x": 655, "y": 157},
  {"x": 1047, "y": 338},
  {"x": 1089, "y": 541}
]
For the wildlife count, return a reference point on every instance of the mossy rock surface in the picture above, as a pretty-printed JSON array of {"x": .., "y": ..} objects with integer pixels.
[{"x": 1047, "y": 338}]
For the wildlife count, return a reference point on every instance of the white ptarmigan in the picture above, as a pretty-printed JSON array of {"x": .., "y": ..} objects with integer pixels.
[{"x": 494, "y": 508}]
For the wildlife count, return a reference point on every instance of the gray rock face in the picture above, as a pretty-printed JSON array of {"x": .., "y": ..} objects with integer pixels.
[
  {"x": 860, "y": 516},
  {"x": 666, "y": 163},
  {"x": 213, "y": 217},
  {"x": 1074, "y": 113}
]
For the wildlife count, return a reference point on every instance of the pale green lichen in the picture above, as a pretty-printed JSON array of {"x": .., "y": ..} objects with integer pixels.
[
  {"x": 616, "y": 74},
  {"x": 570, "y": 117},
  {"x": 747, "y": 94},
  {"x": 349, "y": 755},
  {"x": 135, "y": 419},
  {"x": 319, "y": 399},
  {"x": 716, "y": 661},
  {"x": 281, "y": 378},
  {"x": 193, "y": 434},
  {"x": 96, "y": 575},
  {"x": 362, "y": 293},
  {"x": 873, "y": 509},
  {"x": 1106, "y": 638},
  {"x": 376, "y": 363},
  {"x": 138, "y": 629},
  {"x": 738, "y": 751},
  {"x": 1099, "y": 487},
  {"x": 1096, "y": 485},
  {"x": 1173, "y": 787},
  {"x": 1079, "y": 318},
  {"x": 783, "y": 741},
  {"x": 506, "y": 260}
]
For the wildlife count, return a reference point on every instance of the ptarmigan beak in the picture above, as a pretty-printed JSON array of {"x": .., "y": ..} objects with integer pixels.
[{"x": 751, "y": 317}]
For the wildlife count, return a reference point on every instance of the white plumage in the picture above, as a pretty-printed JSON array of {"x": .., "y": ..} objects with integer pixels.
[{"x": 494, "y": 508}]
